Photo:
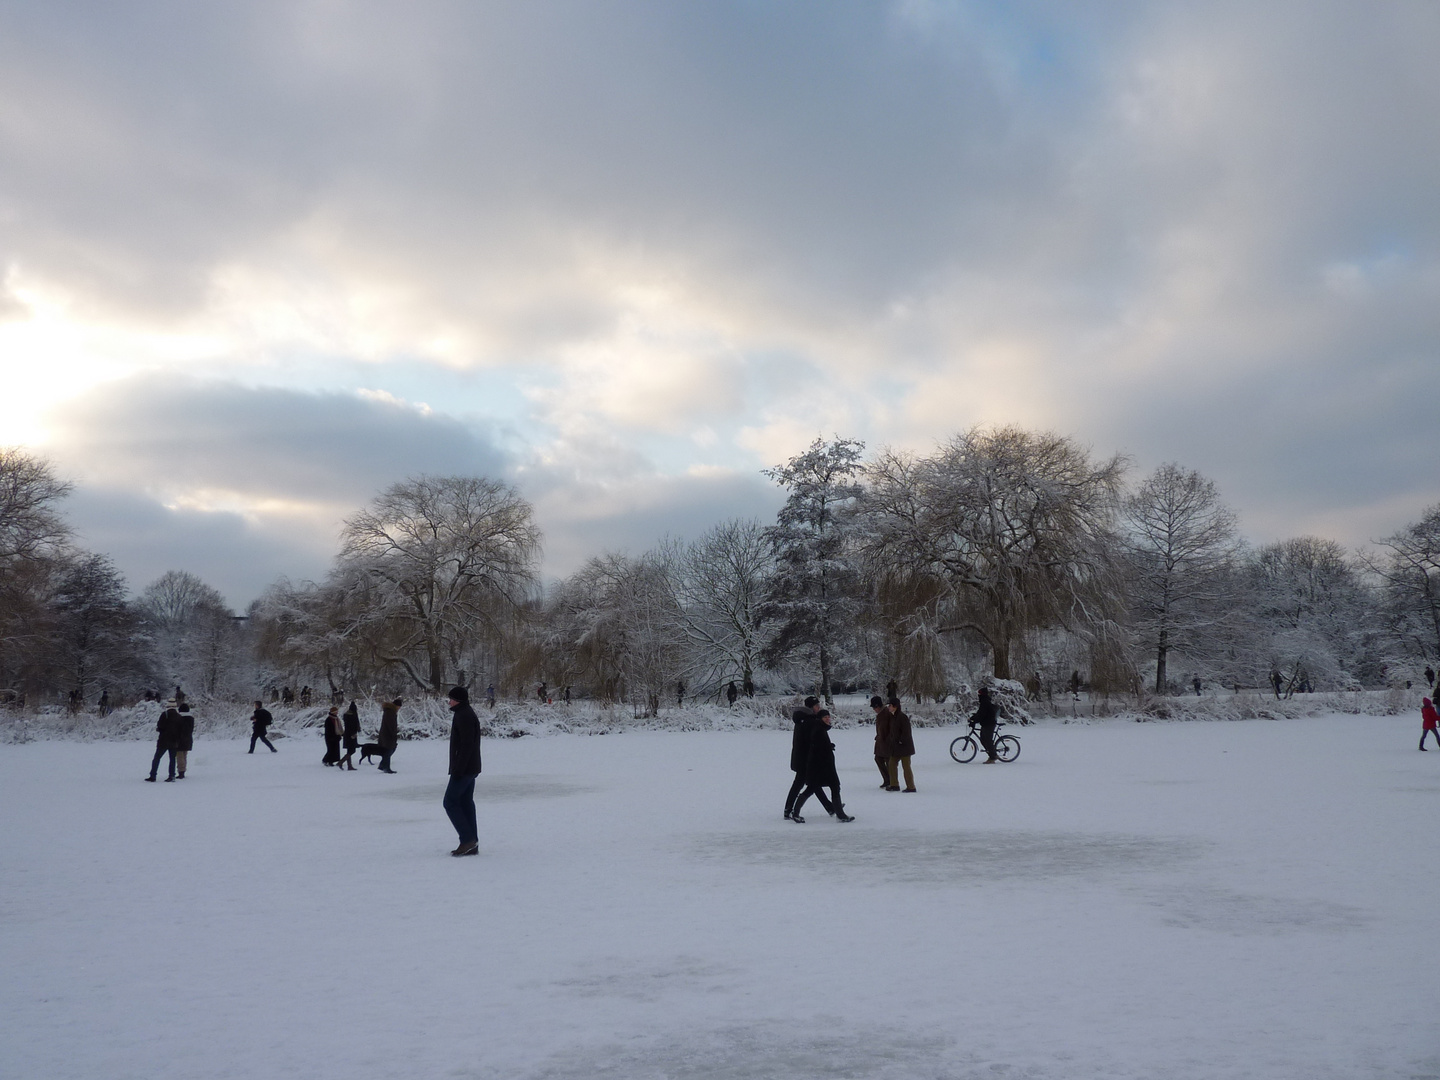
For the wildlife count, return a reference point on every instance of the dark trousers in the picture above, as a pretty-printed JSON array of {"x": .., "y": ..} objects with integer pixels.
[
  {"x": 460, "y": 806},
  {"x": 832, "y": 805},
  {"x": 1429, "y": 731},
  {"x": 987, "y": 738},
  {"x": 262, "y": 738},
  {"x": 160, "y": 752},
  {"x": 794, "y": 792},
  {"x": 882, "y": 762},
  {"x": 385, "y": 759}
]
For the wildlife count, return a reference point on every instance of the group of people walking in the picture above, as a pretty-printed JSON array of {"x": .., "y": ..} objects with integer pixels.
[
  {"x": 812, "y": 759},
  {"x": 343, "y": 733}
]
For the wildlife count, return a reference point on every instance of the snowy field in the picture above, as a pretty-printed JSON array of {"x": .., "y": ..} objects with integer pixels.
[{"x": 1177, "y": 901}]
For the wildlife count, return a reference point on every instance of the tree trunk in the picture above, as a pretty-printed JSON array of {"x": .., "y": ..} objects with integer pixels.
[
  {"x": 1001, "y": 652},
  {"x": 825, "y": 676},
  {"x": 1160, "y": 652}
]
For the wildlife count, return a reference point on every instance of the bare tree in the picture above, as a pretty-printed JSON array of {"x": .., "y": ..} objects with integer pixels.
[
  {"x": 813, "y": 595},
  {"x": 1181, "y": 547},
  {"x": 1410, "y": 570},
  {"x": 32, "y": 539},
  {"x": 194, "y": 631},
  {"x": 1014, "y": 528},
  {"x": 445, "y": 560},
  {"x": 616, "y": 626},
  {"x": 721, "y": 584},
  {"x": 99, "y": 640}
]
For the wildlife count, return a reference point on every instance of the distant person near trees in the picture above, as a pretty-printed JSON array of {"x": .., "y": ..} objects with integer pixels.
[
  {"x": 260, "y": 721},
  {"x": 731, "y": 693},
  {"x": 104, "y": 702},
  {"x": 1428, "y": 719},
  {"x": 799, "y": 751},
  {"x": 350, "y": 735},
  {"x": 902, "y": 748},
  {"x": 679, "y": 695},
  {"x": 820, "y": 770},
  {"x": 490, "y": 695},
  {"x": 1429, "y": 676},
  {"x": 389, "y": 736},
  {"x": 1196, "y": 683},
  {"x": 184, "y": 738},
  {"x": 464, "y": 768}
]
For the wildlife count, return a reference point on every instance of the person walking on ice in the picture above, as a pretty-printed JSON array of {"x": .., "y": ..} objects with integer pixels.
[
  {"x": 820, "y": 769},
  {"x": 464, "y": 768},
  {"x": 1428, "y": 719},
  {"x": 799, "y": 751},
  {"x": 260, "y": 720}
]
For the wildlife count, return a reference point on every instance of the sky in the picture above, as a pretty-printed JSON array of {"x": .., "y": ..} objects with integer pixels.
[{"x": 259, "y": 261}]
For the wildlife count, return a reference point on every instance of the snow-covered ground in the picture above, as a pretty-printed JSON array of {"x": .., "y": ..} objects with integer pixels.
[{"x": 1196, "y": 900}]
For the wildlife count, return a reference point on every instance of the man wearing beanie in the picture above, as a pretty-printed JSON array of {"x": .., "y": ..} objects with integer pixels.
[{"x": 464, "y": 768}]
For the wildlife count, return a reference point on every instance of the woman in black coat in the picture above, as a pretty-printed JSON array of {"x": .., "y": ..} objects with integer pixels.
[
  {"x": 350, "y": 736},
  {"x": 332, "y": 737},
  {"x": 820, "y": 769}
]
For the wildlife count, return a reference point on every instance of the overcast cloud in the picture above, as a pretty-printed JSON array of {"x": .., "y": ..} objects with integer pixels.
[{"x": 260, "y": 260}]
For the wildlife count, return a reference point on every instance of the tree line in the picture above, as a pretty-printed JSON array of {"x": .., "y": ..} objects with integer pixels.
[{"x": 1004, "y": 552}]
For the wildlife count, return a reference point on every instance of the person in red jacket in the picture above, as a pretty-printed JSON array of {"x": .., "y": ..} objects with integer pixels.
[{"x": 1428, "y": 718}]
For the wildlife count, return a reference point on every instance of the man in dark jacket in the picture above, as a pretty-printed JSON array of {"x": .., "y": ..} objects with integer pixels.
[
  {"x": 389, "y": 737},
  {"x": 986, "y": 715},
  {"x": 799, "y": 751},
  {"x": 184, "y": 738},
  {"x": 260, "y": 721},
  {"x": 165, "y": 741},
  {"x": 464, "y": 768},
  {"x": 820, "y": 769},
  {"x": 902, "y": 748},
  {"x": 882, "y": 739}
]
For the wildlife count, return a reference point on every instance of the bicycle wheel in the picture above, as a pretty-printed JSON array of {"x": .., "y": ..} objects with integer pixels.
[
  {"x": 1007, "y": 748},
  {"x": 963, "y": 749}
]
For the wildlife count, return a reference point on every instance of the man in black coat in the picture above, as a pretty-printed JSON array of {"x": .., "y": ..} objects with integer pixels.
[
  {"x": 184, "y": 738},
  {"x": 986, "y": 715},
  {"x": 464, "y": 768},
  {"x": 820, "y": 769},
  {"x": 260, "y": 720},
  {"x": 799, "y": 751},
  {"x": 165, "y": 741}
]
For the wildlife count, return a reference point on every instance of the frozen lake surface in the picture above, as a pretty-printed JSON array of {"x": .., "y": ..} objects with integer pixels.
[{"x": 1197, "y": 901}]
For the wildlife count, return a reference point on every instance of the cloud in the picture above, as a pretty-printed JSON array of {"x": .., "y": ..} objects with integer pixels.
[{"x": 696, "y": 235}]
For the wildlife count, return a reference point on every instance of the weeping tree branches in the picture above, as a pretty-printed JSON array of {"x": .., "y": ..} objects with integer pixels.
[
  {"x": 1003, "y": 531},
  {"x": 442, "y": 561}
]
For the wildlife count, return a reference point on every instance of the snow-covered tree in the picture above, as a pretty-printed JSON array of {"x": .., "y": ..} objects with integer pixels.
[
  {"x": 1409, "y": 567},
  {"x": 99, "y": 640},
  {"x": 813, "y": 596},
  {"x": 721, "y": 580},
  {"x": 197, "y": 642},
  {"x": 1312, "y": 613}
]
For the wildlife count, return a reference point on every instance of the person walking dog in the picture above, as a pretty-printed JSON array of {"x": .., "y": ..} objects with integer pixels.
[
  {"x": 464, "y": 768},
  {"x": 389, "y": 736}
]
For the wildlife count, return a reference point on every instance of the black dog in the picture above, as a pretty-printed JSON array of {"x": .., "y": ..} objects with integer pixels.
[{"x": 369, "y": 748}]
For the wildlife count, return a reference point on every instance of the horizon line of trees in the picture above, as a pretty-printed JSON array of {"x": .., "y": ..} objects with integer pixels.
[{"x": 1005, "y": 553}]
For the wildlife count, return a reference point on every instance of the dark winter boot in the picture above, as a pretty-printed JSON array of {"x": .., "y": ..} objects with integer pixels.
[{"x": 840, "y": 814}]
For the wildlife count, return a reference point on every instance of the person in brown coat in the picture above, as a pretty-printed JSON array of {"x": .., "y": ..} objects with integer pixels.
[
  {"x": 389, "y": 736},
  {"x": 902, "y": 748},
  {"x": 882, "y": 739}
]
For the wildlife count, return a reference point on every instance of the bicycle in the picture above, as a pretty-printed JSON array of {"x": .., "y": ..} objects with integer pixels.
[{"x": 963, "y": 749}]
